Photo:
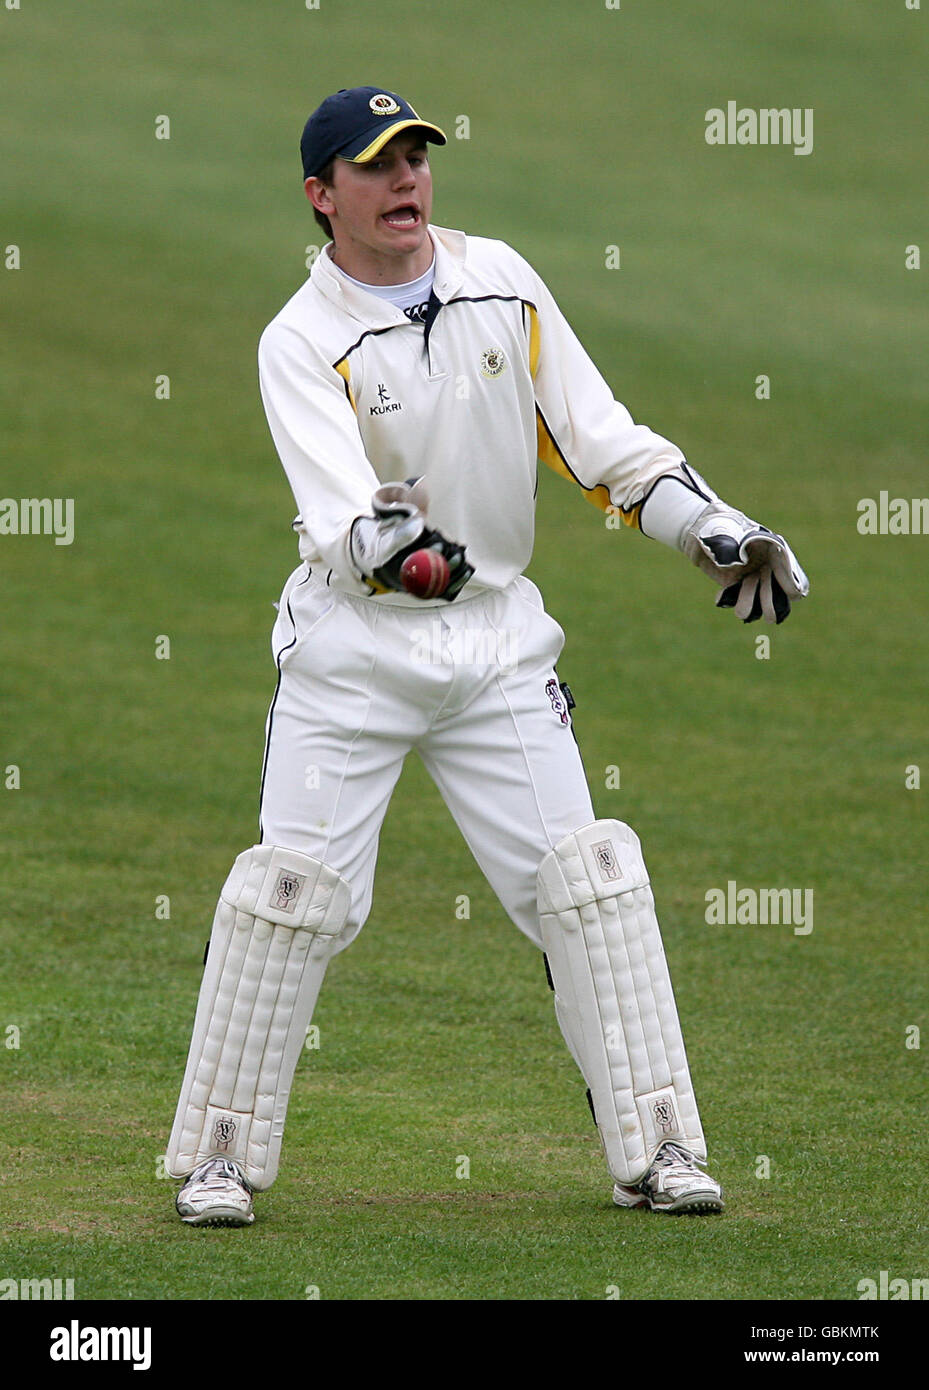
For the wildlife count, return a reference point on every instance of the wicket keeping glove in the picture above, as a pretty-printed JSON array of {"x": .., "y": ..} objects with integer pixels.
[
  {"x": 755, "y": 568},
  {"x": 757, "y": 572},
  {"x": 379, "y": 544}
]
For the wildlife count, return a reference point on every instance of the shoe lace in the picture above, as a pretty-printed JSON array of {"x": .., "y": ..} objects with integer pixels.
[
  {"x": 216, "y": 1171},
  {"x": 676, "y": 1156}
]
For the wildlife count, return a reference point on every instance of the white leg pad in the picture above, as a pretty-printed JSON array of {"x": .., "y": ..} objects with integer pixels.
[
  {"x": 613, "y": 996},
  {"x": 277, "y": 922}
]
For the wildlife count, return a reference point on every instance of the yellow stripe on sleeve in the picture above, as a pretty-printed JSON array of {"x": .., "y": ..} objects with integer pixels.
[
  {"x": 552, "y": 456},
  {"x": 535, "y": 341},
  {"x": 599, "y": 495},
  {"x": 342, "y": 369}
]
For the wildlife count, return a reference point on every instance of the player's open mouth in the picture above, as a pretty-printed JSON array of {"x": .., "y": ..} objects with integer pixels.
[{"x": 405, "y": 216}]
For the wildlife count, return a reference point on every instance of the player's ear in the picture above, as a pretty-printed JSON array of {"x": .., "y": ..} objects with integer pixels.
[{"x": 318, "y": 194}]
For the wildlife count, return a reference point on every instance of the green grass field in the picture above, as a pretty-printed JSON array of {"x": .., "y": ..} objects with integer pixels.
[{"x": 138, "y": 777}]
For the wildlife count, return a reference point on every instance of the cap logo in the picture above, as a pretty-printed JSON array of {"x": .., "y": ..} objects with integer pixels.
[{"x": 384, "y": 105}]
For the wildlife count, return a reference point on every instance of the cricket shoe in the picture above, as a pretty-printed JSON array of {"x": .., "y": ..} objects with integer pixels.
[
  {"x": 675, "y": 1184},
  {"x": 216, "y": 1194}
]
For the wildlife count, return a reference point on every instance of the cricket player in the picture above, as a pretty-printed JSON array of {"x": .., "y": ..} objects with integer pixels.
[{"x": 412, "y": 385}]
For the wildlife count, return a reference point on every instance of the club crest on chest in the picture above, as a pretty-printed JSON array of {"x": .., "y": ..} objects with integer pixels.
[{"x": 493, "y": 362}]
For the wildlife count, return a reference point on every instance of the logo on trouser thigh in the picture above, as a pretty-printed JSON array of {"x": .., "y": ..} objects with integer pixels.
[
  {"x": 606, "y": 861},
  {"x": 224, "y": 1132},
  {"x": 559, "y": 703},
  {"x": 287, "y": 890}
]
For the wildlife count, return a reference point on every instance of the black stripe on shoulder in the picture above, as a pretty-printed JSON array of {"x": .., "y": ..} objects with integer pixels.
[
  {"x": 368, "y": 333},
  {"x": 457, "y": 299},
  {"x": 482, "y": 299}
]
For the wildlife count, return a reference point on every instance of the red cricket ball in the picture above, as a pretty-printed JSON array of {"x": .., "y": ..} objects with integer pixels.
[{"x": 425, "y": 573}]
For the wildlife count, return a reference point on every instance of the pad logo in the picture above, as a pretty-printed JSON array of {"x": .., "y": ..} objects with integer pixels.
[
  {"x": 559, "y": 704},
  {"x": 665, "y": 1118},
  {"x": 605, "y": 858},
  {"x": 287, "y": 890},
  {"x": 493, "y": 362},
  {"x": 224, "y": 1132},
  {"x": 384, "y": 105}
]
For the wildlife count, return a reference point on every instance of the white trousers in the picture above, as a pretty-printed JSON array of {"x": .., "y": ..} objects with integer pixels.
[{"x": 470, "y": 685}]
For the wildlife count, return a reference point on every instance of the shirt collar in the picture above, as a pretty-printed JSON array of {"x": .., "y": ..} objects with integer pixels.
[{"x": 380, "y": 313}]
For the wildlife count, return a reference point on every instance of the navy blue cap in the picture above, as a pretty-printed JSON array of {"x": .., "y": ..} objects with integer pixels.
[{"x": 355, "y": 124}]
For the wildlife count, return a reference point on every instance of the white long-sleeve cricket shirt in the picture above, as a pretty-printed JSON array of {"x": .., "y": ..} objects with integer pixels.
[{"x": 357, "y": 395}]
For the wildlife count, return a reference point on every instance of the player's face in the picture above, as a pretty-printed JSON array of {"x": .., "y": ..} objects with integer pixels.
[{"x": 379, "y": 212}]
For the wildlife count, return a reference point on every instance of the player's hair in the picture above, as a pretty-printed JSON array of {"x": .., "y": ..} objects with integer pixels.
[{"x": 325, "y": 176}]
